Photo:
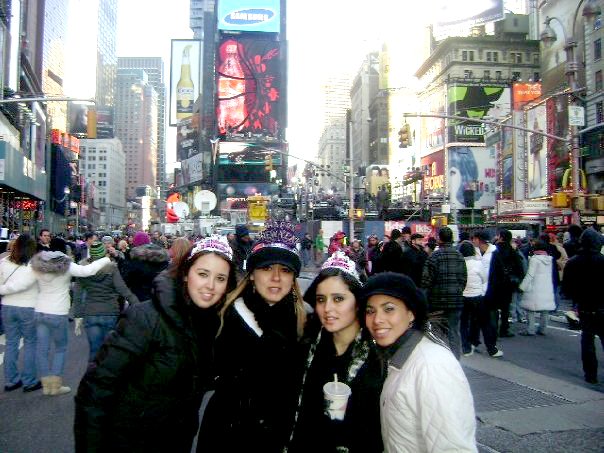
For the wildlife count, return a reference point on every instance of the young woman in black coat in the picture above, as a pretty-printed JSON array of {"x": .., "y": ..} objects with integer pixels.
[
  {"x": 144, "y": 389},
  {"x": 262, "y": 320},
  {"x": 342, "y": 347}
]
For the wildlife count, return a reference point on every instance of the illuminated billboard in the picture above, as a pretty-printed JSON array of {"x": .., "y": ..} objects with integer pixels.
[
  {"x": 523, "y": 93},
  {"x": 507, "y": 157},
  {"x": 472, "y": 176},
  {"x": 241, "y": 153},
  {"x": 475, "y": 101},
  {"x": 433, "y": 166},
  {"x": 185, "y": 78},
  {"x": 536, "y": 152},
  {"x": 249, "y": 15},
  {"x": 249, "y": 74}
]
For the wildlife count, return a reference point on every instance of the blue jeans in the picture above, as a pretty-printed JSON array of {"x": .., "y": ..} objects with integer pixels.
[
  {"x": 97, "y": 328},
  {"x": 51, "y": 327},
  {"x": 19, "y": 322}
]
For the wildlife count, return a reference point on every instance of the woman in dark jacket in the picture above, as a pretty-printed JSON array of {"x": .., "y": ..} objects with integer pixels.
[
  {"x": 344, "y": 348},
  {"x": 145, "y": 263},
  {"x": 252, "y": 408},
  {"x": 144, "y": 389}
]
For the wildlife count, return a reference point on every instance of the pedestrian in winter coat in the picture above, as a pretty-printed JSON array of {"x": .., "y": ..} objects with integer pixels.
[
  {"x": 306, "y": 249},
  {"x": 241, "y": 249},
  {"x": 582, "y": 283},
  {"x": 444, "y": 279},
  {"x": 53, "y": 272},
  {"x": 18, "y": 318},
  {"x": 253, "y": 406},
  {"x": 413, "y": 259},
  {"x": 391, "y": 255},
  {"x": 319, "y": 248},
  {"x": 146, "y": 262},
  {"x": 538, "y": 288},
  {"x": 573, "y": 245},
  {"x": 343, "y": 348},
  {"x": 96, "y": 304},
  {"x": 357, "y": 254},
  {"x": 372, "y": 253},
  {"x": 426, "y": 404},
  {"x": 470, "y": 324},
  {"x": 145, "y": 388}
]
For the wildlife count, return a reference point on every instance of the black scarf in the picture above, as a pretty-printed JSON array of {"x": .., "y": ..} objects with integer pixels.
[{"x": 277, "y": 320}]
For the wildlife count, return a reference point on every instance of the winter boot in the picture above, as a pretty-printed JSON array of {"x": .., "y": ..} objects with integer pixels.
[
  {"x": 57, "y": 387},
  {"x": 46, "y": 385}
]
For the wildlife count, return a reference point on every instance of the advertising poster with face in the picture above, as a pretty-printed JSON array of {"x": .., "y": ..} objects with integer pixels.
[
  {"x": 520, "y": 160},
  {"x": 475, "y": 101},
  {"x": 557, "y": 151},
  {"x": 536, "y": 152},
  {"x": 472, "y": 177}
]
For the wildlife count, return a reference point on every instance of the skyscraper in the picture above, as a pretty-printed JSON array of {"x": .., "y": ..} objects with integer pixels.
[
  {"x": 136, "y": 126},
  {"x": 154, "y": 67},
  {"x": 53, "y": 59}
]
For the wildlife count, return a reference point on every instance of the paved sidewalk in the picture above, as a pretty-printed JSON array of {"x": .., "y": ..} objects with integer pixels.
[{"x": 520, "y": 410}]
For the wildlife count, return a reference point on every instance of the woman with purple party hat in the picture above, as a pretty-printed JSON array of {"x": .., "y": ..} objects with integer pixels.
[{"x": 256, "y": 350}]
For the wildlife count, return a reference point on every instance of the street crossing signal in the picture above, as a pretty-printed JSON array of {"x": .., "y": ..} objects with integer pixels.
[
  {"x": 404, "y": 136},
  {"x": 268, "y": 162}
]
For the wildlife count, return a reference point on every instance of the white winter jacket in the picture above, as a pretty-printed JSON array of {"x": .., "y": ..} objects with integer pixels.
[
  {"x": 11, "y": 272},
  {"x": 477, "y": 277},
  {"x": 486, "y": 265},
  {"x": 538, "y": 285},
  {"x": 54, "y": 279},
  {"x": 426, "y": 404}
]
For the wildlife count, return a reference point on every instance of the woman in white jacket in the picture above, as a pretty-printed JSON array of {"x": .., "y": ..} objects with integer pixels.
[
  {"x": 53, "y": 272},
  {"x": 426, "y": 404},
  {"x": 18, "y": 318},
  {"x": 538, "y": 289},
  {"x": 472, "y": 299}
]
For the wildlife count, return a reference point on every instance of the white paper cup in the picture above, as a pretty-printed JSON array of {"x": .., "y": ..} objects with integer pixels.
[{"x": 336, "y": 399}]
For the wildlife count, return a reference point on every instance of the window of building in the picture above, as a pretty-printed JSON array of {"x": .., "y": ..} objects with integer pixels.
[
  {"x": 467, "y": 74},
  {"x": 467, "y": 55},
  {"x": 598, "y": 49},
  {"x": 536, "y": 58},
  {"x": 92, "y": 166},
  {"x": 598, "y": 80},
  {"x": 492, "y": 56},
  {"x": 536, "y": 77},
  {"x": 516, "y": 75},
  {"x": 498, "y": 75},
  {"x": 516, "y": 57},
  {"x": 599, "y": 112},
  {"x": 487, "y": 74}
]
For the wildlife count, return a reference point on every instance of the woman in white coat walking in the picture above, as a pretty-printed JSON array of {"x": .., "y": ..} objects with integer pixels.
[
  {"x": 53, "y": 272},
  {"x": 538, "y": 289}
]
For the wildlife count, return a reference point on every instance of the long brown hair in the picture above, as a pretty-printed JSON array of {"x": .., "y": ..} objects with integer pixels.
[
  {"x": 298, "y": 304},
  {"x": 23, "y": 248}
]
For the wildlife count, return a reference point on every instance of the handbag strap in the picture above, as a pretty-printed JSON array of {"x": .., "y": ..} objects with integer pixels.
[{"x": 11, "y": 274}]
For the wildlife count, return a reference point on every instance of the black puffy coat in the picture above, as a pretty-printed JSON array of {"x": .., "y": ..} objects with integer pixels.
[
  {"x": 256, "y": 388},
  {"x": 144, "y": 389},
  {"x": 145, "y": 263},
  {"x": 360, "y": 430}
]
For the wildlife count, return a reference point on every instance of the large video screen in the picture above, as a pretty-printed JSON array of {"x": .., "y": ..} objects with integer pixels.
[
  {"x": 241, "y": 153},
  {"x": 249, "y": 15},
  {"x": 249, "y": 74}
]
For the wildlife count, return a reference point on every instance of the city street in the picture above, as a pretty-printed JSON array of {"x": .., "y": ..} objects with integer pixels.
[{"x": 533, "y": 399}]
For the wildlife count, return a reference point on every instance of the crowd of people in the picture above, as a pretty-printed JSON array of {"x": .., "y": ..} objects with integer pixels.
[{"x": 357, "y": 363}]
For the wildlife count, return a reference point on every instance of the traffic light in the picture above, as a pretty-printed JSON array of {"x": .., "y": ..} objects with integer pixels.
[
  {"x": 404, "y": 136},
  {"x": 268, "y": 162}
]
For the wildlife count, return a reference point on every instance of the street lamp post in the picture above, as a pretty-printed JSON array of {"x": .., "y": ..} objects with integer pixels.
[{"x": 548, "y": 37}]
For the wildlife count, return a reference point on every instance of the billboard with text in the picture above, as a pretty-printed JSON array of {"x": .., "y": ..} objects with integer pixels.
[
  {"x": 185, "y": 78},
  {"x": 249, "y": 15},
  {"x": 475, "y": 101}
]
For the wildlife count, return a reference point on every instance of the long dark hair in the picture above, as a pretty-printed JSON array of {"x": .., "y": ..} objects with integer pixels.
[
  {"x": 23, "y": 249},
  {"x": 354, "y": 285}
]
